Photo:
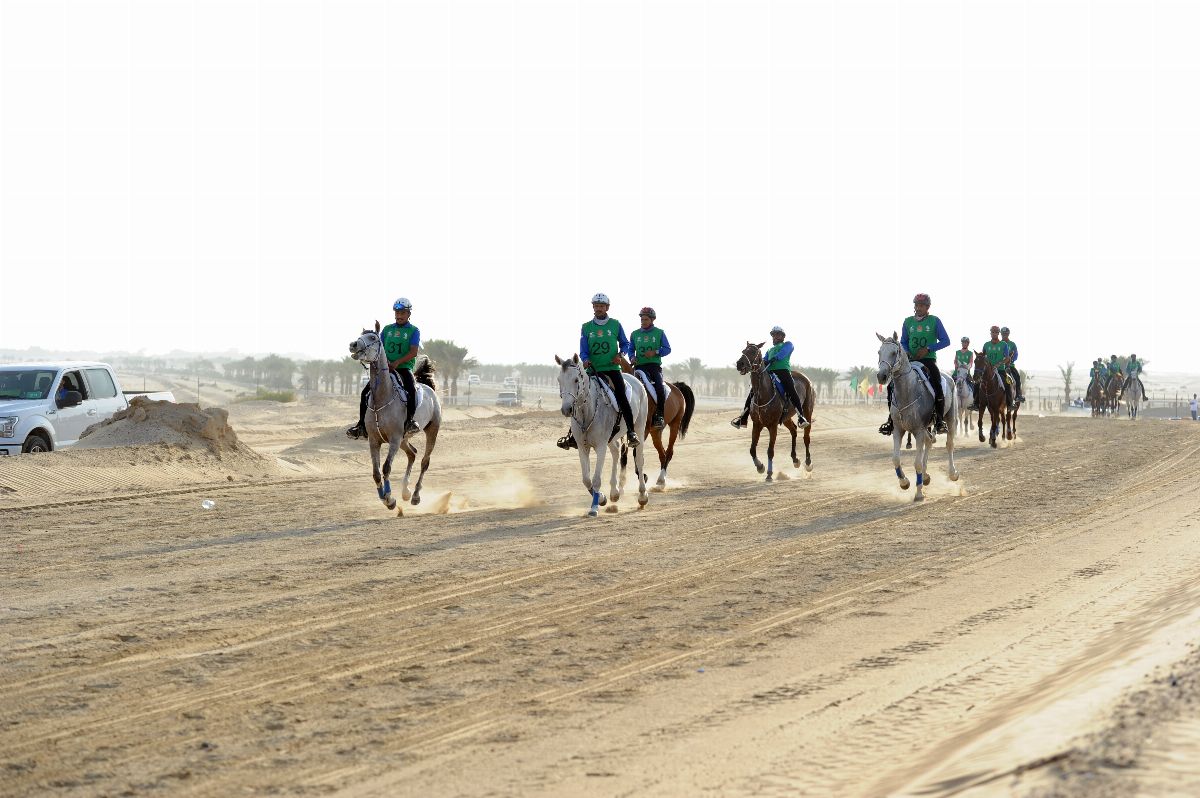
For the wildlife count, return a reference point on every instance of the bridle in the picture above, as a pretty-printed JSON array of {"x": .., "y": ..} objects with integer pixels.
[
  {"x": 893, "y": 370},
  {"x": 581, "y": 398},
  {"x": 359, "y": 354}
]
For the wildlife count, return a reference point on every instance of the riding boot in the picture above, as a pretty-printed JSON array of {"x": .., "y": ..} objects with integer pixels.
[
  {"x": 358, "y": 431},
  {"x": 567, "y": 442},
  {"x": 939, "y": 418},
  {"x": 657, "y": 422},
  {"x": 887, "y": 428},
  {"x": 740, "y": 421},
  {"x": 801, "y": 421}
]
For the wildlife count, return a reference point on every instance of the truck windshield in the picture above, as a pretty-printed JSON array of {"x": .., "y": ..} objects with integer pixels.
[{"x": 26, "y": 383}]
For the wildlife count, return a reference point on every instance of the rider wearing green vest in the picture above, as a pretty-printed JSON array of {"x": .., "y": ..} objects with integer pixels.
[
  {"x": 778, "y": 360},
  {"x": 401, "y": 342},
  {"x": 647, "y": 346},
  {"x": 923, "y": 335},
  {"x": 994, "y": 351},
  {"x": 601, "y": 342},
  {"x": 1134, "y": 371},
  {"x": 1114, "y": 367},
  {"x": 965, "y": 358},
  {"x": 1010, "y": 361}
]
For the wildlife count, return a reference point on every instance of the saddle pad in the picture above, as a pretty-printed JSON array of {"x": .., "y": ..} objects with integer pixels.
[
  {"x": 398, "y": 387},
  {"x": 609, "y": 396},
  {"x": 650, "y": 386},
  {"x": 919, "y": 370}
]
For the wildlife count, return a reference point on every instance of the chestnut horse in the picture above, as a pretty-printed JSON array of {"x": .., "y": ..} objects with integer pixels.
[
  {"x": 681, "y": 403},
  {"x": 767, "y": 409},
  {"x": 991, "y": 397}
]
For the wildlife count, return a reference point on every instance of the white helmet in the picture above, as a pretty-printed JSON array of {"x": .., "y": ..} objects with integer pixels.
[
  {"x": 600, "y": 298},
  {"x": 777, "y": 329},
  {"x": 402, "y": 303}
]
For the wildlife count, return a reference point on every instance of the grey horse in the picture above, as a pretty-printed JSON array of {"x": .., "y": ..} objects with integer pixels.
[
  {"x": 387, "y": 417},
  {"x": 965, "y": 396},
  {"x": 593, "y": 419},
  {"x": 912, "y": 409}
]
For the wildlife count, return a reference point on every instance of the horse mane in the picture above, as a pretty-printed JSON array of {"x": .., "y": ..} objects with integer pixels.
[{"x": 424, "y": 372}]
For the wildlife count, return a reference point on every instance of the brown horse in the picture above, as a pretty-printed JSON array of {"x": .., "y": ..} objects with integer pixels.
[
  {"x": 1097, "y": 397},
  {"x": 991, "y": 397},
  {"x": 767, "y": 409},
  {"x": 1115, "y": 393},
  {"x": 681, "y": 403}
]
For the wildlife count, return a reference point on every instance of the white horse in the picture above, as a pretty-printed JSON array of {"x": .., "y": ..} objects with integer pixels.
[
  {"x": 593, "y": 419},
  {"x": 964, "y": 394},
  {"x": 912, "y": 410},
  {"x": 1132, "y": 394},
  {"x": 387, "y": 418}
]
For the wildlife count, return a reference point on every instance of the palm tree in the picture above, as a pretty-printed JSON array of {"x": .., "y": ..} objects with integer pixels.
[
  {"x": 1066, "y": 375},
  {"x": 822, "y": 377},
  {"x": 695, "y": 371},
  {"x": 450, "y": 359}
]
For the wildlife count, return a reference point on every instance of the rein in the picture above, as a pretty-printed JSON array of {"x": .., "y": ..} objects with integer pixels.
[
  {"x": 895, "y": 373},
  {"x": 581, "y": 402},
  {"x": 379, "y": 375}
]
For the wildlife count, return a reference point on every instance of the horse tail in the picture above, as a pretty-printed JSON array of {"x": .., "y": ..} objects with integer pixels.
[
  {"x": 424, "y": 373},
  {"x": 689, "y": 406}
]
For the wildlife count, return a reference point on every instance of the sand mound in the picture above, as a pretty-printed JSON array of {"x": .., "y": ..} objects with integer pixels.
[{"x": 181, "y": 424}]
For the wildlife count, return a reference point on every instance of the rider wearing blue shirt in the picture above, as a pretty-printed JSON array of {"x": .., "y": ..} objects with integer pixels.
[
  {"x": 1011, "y": 350},
  {"x": 778, "y": 360},
  {"x": 647, "y": 346},
  {"x": 922, "y": 350}
]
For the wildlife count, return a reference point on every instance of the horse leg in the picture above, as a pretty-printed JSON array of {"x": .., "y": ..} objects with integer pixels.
[
  {"x": 385, "y": 496},
  {"x": 639, "y": 470},
  {"x": 897, "y": 434},
  {"x": 807, "y": 453},
  {"x": 410, "y": 452},
  {"x": 598, "y": 477},
  {"x": 772, "y": 431},
  {"x": 791, "y": 427},
  {"x": 755, "y": 432},
  {"x": 919, "y": 467},
  {"x": 617, "y": 452},
  {"x": 979, "y": 425},
  {"x": 431, "y": 433},
  {"x": 390, "y": 501},
  {"x": 592, "y": 485},
  {"x": 665, "y": 455}
]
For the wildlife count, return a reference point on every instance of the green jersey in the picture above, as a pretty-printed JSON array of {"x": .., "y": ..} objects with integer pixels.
[
  {"x": 397, "y": 340},
  {"x": 995, "y": 351},
  {"x": 962, "y": 357},
  {"x": 777, "y": 363},
  {"x": 921, "y": 333},
  {"x": 1114, "y": 367},
  {"x": 1135, "y": 366},
  {"x": 644, "y": 341},
  {"x": 603, "y": 344}
]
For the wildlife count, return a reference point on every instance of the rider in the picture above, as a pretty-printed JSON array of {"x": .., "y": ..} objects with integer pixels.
[
  {"x": 778, "y": 360},
  {"x": 1011, "y": 360},
  {"x": 1134, "y": 368},
  {"x": 601, "y": 341},
  {"x": 923, "y": 336},
  {"x": 401, "y": 342},
  {"x": 1114, "y": 367},
  {"x": 965, "y": 358},
  {"x": 647, "y": 347},
  {"x": 995, "y": 351}
]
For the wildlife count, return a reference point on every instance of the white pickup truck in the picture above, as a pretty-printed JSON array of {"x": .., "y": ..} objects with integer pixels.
[{"x": 47, "y": 406}]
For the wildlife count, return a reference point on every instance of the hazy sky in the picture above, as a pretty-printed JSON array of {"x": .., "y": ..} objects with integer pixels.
[{"x": 271, "y": 175}]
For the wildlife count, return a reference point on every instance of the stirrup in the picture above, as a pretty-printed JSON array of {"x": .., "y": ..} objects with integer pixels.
[
  {"x": 411, "y": 427},
  {"x": 940, "y": 426},
  {"x": 657, "y": 422},
  {"x": 632, "y": 439},
  {"x": 887, "y": 427},
  {"x": 567, "y": 443},
  {"x": 801, "y": 421},
  {"x": 357, "y": 432},
  {"x": 738, "y": 422}
]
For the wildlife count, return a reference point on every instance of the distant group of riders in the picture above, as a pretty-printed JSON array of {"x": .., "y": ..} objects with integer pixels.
[{"x": 1110, "y": 380}]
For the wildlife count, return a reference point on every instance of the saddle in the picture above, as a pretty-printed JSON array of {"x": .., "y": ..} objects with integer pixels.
[
  {"x": 923, "y": 377},
  {"x": 608, "y": 394},
  {"x": 401, "y": 394},
  {"x": 650, "y": 386},
  {"x": 783, "y": 397}
]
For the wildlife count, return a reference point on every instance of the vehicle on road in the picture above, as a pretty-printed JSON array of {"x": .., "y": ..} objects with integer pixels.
[
  {"x": 508, "y": 399},
  {"x": 473, "y": 379},
  {"x": 47, "y": 406},
  {"x": 510, "y": 382}
]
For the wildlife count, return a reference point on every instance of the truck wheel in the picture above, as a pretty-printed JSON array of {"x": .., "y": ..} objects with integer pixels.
[{"x": 36, "y": 442}]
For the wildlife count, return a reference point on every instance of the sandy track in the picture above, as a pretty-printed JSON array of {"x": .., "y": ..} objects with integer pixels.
[{"x": 819, "y": 635}]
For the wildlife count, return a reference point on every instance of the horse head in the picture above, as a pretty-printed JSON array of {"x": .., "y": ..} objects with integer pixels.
[
  {"x": 892, "y": 359},
  {"x": 961, "y": 374},
  {"x": 751, "y": 359},
  {"x": 572, "y": 382},
  {"x": 366, "y": 347}
]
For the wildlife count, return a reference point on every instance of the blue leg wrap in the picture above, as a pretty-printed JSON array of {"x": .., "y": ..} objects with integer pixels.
[
  {"x": 919, "y": 479},
  {"x": 380, "y": 492},
  {"x": 387, "y": 486},
  {"x": 898, "y": 474},
  {"x": 595, "y": 498}
]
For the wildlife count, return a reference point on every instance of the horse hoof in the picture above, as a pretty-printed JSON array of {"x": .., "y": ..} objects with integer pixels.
[
  {"x": 954, "y": 477},
  {"x": 592, "y": 513},
  {"x": 796, "y": 463},
  {"x": 761, "y": 469},
  {"x": 927, "y": 479},
  {"x": 904, "y": 484},
  {"x": 391, "y": 505},
  {"x": 808, "y": 467},
  {"x": 406, "y": 495},
  {"x": 659, "y": 488},
  {"x": 603, "y": 500},
  {"x": 918, "y": 498},
  {"x": 416, "y": 500},
  {"x": 642, "y": 500},
  {"x": 770, "y": 478}
]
